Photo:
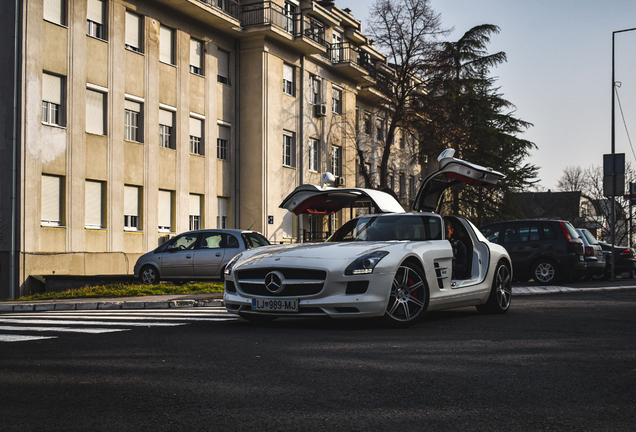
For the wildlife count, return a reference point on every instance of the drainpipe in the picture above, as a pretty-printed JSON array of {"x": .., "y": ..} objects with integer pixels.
[
  {"x": 14, "y": 144},
  {"x": 301, "y": 141},
  {"x": 237, "y": 136}
]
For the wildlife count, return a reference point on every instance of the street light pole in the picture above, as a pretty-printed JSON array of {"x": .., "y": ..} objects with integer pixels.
[{"x": 613, "y": 218}]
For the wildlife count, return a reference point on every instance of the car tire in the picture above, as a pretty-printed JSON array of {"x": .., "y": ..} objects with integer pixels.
[
  {"x": 545, "y": 272},
  {"x": 257, "y": 318},
  {"x": 501, "y": 292},
  {"x": 149, "y": 275},
  {"x": 409, "y": 297}
]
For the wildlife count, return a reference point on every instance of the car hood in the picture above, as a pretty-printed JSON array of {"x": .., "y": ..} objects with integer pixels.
[{"x": 277, "y": 255}]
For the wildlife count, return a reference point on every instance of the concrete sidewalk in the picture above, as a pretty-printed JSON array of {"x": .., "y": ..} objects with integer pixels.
[{"x": 216, "y": 299}]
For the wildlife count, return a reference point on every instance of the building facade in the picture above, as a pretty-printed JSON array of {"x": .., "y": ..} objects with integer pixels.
[{"x": 135, "y": 120}]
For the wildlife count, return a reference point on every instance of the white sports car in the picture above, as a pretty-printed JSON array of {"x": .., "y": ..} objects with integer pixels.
[{"x": 393, "y": 264}]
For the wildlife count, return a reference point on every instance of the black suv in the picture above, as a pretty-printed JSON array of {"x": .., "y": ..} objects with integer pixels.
[{"x": 548, "y": 251}]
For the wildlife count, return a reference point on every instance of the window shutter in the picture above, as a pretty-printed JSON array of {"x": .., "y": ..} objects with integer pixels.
[
  {"x": 196, "y": 53},
  {"x": 51, "y": 198},
  {"x": 165, "y": 118},
  {"x": 52, "y": 88},
  {"x": 224, "y": 63},
  {"x": 95, "y": 112},
  {"x": 224, "y": 133},
  {"x": 196, "y": 127},
  {"x": 54, "y": 11},
  {"x": 133, "y": 29},
  {"x": 165, "y": 208},
  {"x": 132, "y": 106},
  {"x": 166, "y": 44},
  {"x": 95, "y": 11},
  {"x": 93, "y": 200},
  {"x": 131, "y": 200},
  {"x": 195, "y": 205},
  {"x": 288, "y": 72}
]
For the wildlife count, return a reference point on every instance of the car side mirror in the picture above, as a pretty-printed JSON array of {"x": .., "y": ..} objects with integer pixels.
[{"x": 171, "y": 248}]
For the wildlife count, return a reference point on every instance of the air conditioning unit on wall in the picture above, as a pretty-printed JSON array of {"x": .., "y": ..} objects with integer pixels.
[{"x": 320, "y": 110}]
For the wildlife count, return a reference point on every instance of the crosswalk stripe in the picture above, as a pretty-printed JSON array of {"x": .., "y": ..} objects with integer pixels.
[
  {"x": 20, "y": 338},
  {"x": 62, "y": 329},
  {"x": 109, "y": 316},
  {"x": 106, "y": 323}
]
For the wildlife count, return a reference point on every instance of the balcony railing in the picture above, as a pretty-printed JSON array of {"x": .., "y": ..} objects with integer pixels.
[
  {"x": 268, "y": 13},
  {"x": 230, "y": 7}
]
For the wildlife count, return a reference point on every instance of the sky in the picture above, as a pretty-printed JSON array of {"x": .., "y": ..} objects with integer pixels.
[{"x": 558, "y": 73}]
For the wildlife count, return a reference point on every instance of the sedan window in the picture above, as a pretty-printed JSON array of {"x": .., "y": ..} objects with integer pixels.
[
  {"x": 184, "y": 242},
  {"x": 211, "y": 241},
  {"x": 386, "y": 228}
]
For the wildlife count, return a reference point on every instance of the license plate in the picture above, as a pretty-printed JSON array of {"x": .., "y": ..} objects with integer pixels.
[{"x": 275, "y": 305}]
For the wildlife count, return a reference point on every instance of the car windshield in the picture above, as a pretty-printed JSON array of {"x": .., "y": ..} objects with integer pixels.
[
  {"x": 254, "y": 240},
  {"x": 394, "y": 227},
  {"x": 590, "y": 238}
]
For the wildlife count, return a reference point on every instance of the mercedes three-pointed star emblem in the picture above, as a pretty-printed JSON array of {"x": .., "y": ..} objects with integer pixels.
[{"x": 274, "y": 282}]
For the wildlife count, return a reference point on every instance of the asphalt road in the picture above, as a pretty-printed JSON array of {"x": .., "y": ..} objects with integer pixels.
[{"x": 553, "y": 362}]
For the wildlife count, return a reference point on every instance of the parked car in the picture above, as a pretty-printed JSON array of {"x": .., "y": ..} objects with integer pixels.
[
  {"x": 594, "y": 257},
  {"x": 625, "y": 262},
  {"x": 394, "y": 265},
  {"x": 195, "y": 255},
  {"x": 548, "y": 251}
]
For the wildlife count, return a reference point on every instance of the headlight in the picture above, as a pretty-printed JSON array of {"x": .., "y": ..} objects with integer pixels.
[
  {"x": 230, "y": 264},
  {"x": 366, "y": 263}
]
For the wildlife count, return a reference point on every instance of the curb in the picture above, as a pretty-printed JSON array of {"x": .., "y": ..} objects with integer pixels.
[
  {"x": 108, "y": 305},
  {"x": 190, "y": 303}
]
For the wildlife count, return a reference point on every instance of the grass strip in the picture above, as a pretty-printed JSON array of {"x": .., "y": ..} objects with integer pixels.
[{"x": 127, "y": 290}]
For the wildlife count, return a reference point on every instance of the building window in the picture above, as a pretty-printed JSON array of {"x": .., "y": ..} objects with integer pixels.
[
  {"x": 223, "y": 143},
  {"x": 196, "y": 56},
  {"x": 336, "y": 46},
  {"x": 132, "y": 121},
  {"x": 223, "y": 58},
  {"x": 336, "y": 161},
  {"x": 94, "y": 201},
  {"x": 51, "y": 200},
  {"x": 52, "y": 87},
  {"x": 313, "y": 154},
  {"x": 336, "y": 100},
  {"x": 403, "y": 139},
  {"x": 314, "y": 90},
  {"x": 166, "y": 45},
  {"x": 222, "y": 220},
  {"x": 131, "y": 208},
  {"x": 290, "y": 14},
  {"x": 95, "y": 112},
  {"x": 196, "y": 136},
  {"x": 289, "y": 150},
  {"x": 289, "y": 86},
  {"x": 412, "y": 184},
  {"x": 95, "y": 19},
  {"x": 166, "y": 129},
  {"x": 133, "y": 32},
  {"x": 402, "y": 185},
  {"x": 380, "y": 129},
  {"x": 55, "y": 11},
  {"x": 195, "y": 212},
  {"x": 367, "y": 123},
  {"x": 165, "y": 211}
]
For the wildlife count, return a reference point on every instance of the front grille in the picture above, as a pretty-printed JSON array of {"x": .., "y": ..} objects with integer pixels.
[
  {"x": 297, "y": 282},
  {"x": 289, "y": 290},
  {"x": 357, "y": 287},
  {"x": 289, "y": 273}
]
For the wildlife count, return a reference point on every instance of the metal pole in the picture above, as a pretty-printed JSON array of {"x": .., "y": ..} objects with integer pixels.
[{"x": 613, "y": 219}]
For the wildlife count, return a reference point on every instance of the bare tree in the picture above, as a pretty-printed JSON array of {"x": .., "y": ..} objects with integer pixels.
[
  {"x": 406, "y": 31},
  {"x": 574, "y": 178}
]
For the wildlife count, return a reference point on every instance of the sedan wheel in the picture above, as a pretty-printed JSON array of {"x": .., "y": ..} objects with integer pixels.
[
  {"x": 545, "y": 273},
  {"x": 409, "y": 297},
  {"x": 501, "y": 292},
  {"x": 149, "y": 276}
]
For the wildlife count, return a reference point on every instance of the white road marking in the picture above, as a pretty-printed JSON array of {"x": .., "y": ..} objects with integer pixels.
[
  {"x": 62, "y": 329},
  {"x": 106, "y": 323},
  {"x": 19, "y": 338}
]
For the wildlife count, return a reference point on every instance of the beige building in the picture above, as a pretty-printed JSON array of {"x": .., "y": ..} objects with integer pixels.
[{"x": 135, "y": 120}]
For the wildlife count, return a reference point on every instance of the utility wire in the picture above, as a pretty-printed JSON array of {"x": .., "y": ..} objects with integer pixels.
[{"x": 623, "y": 116}]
